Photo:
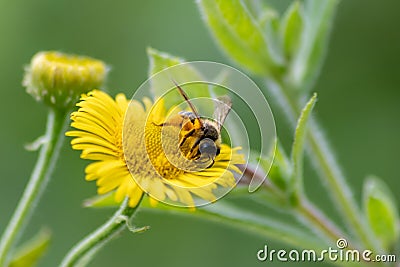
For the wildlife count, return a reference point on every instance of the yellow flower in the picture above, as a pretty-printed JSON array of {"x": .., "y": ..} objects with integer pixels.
[{"x": 127, "y": 143}]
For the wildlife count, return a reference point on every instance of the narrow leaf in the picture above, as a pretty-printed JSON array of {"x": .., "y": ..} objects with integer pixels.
[
  {"x": 281, "y": 170},
  {"x": 381, "y": 211},
  {"x": 29, "y": 253},
  {"x": 101, "y": 201},
  {"x": 305, "y": 66},
  {"x": 291, "y": 28},
  {"x": 298, "y": 144},
  {"x": 270, "y": 23},
  {"x": 161, "y": 83},
  {"x": 255, "y": 7},
  {"x": 238, "y": 34},
  {"x": 231, "y": 215}
]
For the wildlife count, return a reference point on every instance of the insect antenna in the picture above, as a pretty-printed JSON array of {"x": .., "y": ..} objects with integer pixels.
[{"x": 192, "y": 107}]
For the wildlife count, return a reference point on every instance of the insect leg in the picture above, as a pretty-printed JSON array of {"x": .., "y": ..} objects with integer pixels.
[{"x": 190, "y": 133}]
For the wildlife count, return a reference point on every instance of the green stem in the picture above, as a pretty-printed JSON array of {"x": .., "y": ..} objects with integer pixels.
[
  {"x": 313, "y": 218},
  {"x": 56, "y": 125},
  {"x": 228, "y": 214},
  {"x": 83, "y": 252},
  {"x": 311, "y": 215},
  {"x": 327, "y": 167}
]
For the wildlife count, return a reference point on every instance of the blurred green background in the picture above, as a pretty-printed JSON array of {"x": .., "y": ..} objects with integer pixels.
[{"x": 358, "y": 106}]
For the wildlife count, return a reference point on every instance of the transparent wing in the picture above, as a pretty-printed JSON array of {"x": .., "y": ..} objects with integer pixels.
[{"x": 222, "y": 108}]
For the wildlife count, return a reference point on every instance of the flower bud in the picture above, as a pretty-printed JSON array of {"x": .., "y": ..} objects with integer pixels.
[{"x": 58, "y": 79}]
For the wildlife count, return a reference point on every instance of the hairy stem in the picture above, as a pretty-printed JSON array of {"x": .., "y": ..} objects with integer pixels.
[
  {"x": 307, "y": 213},
  {"x": 56, "y": 125},
  {"x": 83, "y": 252},
  {"x": 327, "y": 167},
  {"x": 312, "y": 215}
]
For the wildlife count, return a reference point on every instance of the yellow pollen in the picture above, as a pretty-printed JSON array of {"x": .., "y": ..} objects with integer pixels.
[{"x": 146, "y": 148}]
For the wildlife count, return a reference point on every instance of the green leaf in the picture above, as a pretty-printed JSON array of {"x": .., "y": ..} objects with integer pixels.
[
  {"x": 238, "y": 34},
  {"x": 161, "y": 83},
  {"x": 269, "y": 21},
  {"x": 158, "y": 62},
  {"x": 291, "y": 29},
  {"x": 29, "y": 253},
  {"x": 161, "y": 60},
  {"x": 281, "y": 169},
  {"x": 298, "y": 144},
  {"x": 272, "y": 197},
  {"x": 226, "y": 213},
  {"x": 101, "y": 201},
  {"x": 381, "y": 211},
  {"x": 306, "y": 64},
  {"x": 255, "y": 7}
]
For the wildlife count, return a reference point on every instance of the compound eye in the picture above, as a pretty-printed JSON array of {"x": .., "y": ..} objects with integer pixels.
[{"x": 208, "y": 147}]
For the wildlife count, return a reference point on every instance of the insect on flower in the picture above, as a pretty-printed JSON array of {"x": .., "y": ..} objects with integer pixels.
[
  {"x": 200, "y": 138},
  {"x": 135, "y": 151}
]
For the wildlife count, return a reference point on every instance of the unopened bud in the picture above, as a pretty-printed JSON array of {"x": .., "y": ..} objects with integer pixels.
[{"x": 58, "y": 79}]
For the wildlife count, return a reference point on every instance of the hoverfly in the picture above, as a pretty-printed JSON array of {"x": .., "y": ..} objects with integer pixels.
[{"x": 200, "y": 137}]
